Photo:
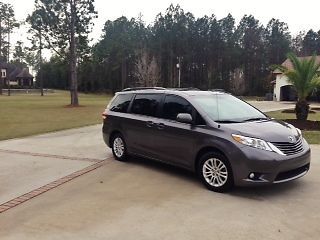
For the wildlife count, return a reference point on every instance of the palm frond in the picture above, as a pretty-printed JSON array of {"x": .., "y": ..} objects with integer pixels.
[{"x": 303, "y": 75}]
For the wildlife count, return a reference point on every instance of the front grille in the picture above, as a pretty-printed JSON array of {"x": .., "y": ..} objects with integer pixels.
[
  {"x": 289, "y": 148},
  {"x": 292, "y": 173}
]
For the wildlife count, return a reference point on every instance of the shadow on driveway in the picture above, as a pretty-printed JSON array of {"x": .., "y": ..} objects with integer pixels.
[{"x": 258, "y": 193}]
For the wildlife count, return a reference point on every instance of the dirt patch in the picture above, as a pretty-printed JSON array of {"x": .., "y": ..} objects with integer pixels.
[
  {"x": 72, "y": 106},
  {"x": 305, "y": 125},
  {"x": 293, "y": 111}
]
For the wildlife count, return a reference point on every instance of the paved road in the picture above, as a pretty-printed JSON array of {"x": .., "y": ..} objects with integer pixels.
[
  {"x": 268, "y": 106},
  {"x": 140, "y": 199}
]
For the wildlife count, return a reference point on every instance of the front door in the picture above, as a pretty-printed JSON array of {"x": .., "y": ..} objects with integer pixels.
[{"x": 175, "y": 141}]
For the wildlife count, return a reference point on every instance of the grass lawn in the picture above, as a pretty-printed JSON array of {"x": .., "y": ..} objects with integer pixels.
[
  {"x": 312, "y": 137},
  {"x": 25, "y": 115}
]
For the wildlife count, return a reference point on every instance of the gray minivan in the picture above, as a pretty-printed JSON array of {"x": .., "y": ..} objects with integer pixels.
[{"x": 225, "y": 140}]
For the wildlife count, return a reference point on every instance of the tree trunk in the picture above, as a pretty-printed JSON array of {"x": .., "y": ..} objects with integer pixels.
[
  {"x": 1, "y": 85},
  {"x": 1, "y": 41},
  {"x": 73, "y": 58},
  {"x": 40, "y": 70},
  {"x": 1, "y": 80},
  {"x": 9, "y": 87},
  {"x": 302, "y": 110},
  {"x": 9, "y": 29}
]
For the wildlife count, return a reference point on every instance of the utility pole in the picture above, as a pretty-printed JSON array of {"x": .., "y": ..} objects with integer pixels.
[{"x": 179, "y": 69}]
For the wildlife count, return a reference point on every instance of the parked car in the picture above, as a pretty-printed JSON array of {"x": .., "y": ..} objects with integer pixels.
[{"x": 225, "y": 140}]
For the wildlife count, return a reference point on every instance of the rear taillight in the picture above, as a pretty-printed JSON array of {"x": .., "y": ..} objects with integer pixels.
[{"x": 104, "y": 114}]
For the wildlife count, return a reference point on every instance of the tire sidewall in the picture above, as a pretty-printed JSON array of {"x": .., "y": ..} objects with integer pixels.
[
  {"x": 124, "y": 155},
  {"x": 229, "y": 183}
]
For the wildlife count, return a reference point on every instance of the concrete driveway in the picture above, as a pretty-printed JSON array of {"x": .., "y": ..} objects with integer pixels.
[
  {"x": 269, "y": 106},
  {"x": 66, "y": 185}
]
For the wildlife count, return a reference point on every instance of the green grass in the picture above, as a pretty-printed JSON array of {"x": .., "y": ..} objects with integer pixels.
[
  {"x": 25, "y": 115},
  {"x": 312, "y": 137},
  {"x": 280, "y": 115}
]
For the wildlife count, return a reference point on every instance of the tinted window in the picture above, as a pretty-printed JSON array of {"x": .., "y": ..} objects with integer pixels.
[
  {"x": 146, "y": 104},
  {"x": 173, "y": 105},
  {"x": 121, "y": 103}
]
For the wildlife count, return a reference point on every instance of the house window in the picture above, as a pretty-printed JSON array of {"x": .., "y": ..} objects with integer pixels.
[{"x": 3, "y": 73}]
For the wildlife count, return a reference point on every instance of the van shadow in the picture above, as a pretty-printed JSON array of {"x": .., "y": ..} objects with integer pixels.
[
  {"x": 164, "y": 168},
  {"x": 252, "y": 192},
  {"x": 267, "y": 192}
]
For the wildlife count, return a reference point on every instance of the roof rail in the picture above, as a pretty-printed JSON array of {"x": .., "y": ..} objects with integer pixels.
[
  {"x": 142, "y": 88},
  {"x": 184, "y": 89},
  {"x": 218, "y": 90}
]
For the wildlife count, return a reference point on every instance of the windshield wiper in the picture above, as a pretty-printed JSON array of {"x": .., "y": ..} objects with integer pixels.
[
  {"x": 256, "y": 119},
  {"x": 227, "y": 121}
]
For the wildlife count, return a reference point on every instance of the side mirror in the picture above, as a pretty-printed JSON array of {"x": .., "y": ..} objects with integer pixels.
[{"x": 184, "y": 118}]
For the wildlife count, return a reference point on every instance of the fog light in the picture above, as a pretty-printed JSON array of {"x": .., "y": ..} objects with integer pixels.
[{"x": 251, "y": 175}]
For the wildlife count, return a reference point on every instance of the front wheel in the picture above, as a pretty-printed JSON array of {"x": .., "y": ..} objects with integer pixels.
[
  {"x": 215, "y": 172},
  {"x": 118, "y": 146}
]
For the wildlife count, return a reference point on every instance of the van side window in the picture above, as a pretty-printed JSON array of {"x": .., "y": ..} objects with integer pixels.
[
  {"x": 146, "y": 104},
  {"x": 121, "y": 103},
  {"x": 173, "y": 105}
]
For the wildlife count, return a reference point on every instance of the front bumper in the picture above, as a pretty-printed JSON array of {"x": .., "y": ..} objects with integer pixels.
[{"x": 270, "y": 167}]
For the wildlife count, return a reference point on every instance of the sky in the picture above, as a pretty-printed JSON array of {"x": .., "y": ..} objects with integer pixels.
[{"x": 299, "y": 15}]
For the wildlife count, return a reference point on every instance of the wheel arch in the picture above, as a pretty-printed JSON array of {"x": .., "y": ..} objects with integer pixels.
[
  {"x": 205, "y": 150},
  {"x": 112, "y": 134}
]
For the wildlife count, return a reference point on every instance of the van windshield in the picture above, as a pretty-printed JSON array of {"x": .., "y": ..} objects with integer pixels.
[{"x": 225, "y": 108}]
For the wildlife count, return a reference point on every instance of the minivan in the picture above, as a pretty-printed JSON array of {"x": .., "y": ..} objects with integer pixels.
[{"x": 225, "y": 140}]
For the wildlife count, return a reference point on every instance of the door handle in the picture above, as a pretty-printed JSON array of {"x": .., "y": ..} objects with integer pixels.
[
  {"x": 150, "y": 124},
  {"x": 160, "y": 126}
]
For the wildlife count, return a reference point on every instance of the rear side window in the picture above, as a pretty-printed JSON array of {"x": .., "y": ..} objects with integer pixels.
[
  {"x": 121, "y": 103},
  {"x": 146, "y": 104},
  {"x": 173, "y": 105}
]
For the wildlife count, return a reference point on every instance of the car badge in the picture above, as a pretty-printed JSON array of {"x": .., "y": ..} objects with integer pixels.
[{"x": 291, "y": 139}]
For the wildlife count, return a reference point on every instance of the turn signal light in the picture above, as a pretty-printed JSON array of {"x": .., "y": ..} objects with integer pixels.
[{"x": 104, "y": 115}]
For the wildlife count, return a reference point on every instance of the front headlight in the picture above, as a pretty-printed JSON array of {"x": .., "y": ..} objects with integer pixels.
[
  {"x": 299, "y": 132},
  {"x": 252, "y": 142},
  {"x": 294, "y": 128}
]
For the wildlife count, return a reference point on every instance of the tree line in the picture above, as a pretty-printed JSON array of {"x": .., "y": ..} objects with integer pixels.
[{"x": 177, "y": 48}]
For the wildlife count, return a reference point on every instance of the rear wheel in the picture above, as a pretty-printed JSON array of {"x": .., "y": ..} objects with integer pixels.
[
  {"x": 118, "y": 146},
  {"x": 215, "y": 172}
]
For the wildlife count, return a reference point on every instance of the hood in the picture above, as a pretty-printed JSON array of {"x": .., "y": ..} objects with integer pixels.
[{"x": 271, "y": 131}]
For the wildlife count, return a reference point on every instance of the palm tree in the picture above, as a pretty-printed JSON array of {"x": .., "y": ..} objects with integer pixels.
[{"x": 304, "y": 76}]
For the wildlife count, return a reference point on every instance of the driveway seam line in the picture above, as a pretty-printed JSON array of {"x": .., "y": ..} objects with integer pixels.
[
  {"x": 47, "y": 187},
  {"x": 50, "y": 156}
]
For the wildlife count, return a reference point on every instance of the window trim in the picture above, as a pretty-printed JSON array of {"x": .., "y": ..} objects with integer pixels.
[
  {"x": 194, "y": 111},
  {"x": 158, "y": 107},
  {"x": 115, "y": 98}
]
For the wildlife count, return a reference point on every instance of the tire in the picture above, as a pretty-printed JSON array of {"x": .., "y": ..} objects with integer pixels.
[
  {"x": 215, "y": 172},
  {"x": 118, "y": 146}
]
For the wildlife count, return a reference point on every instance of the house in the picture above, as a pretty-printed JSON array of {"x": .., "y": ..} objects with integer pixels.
[
  {"x": 283, "y": 89},
  {"x": 17, "y": 76}
]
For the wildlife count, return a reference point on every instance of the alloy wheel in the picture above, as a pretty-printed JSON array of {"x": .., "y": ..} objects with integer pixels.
[
  {"x": 215, "y": 172},
  {"x": 118, "y": 147}
]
